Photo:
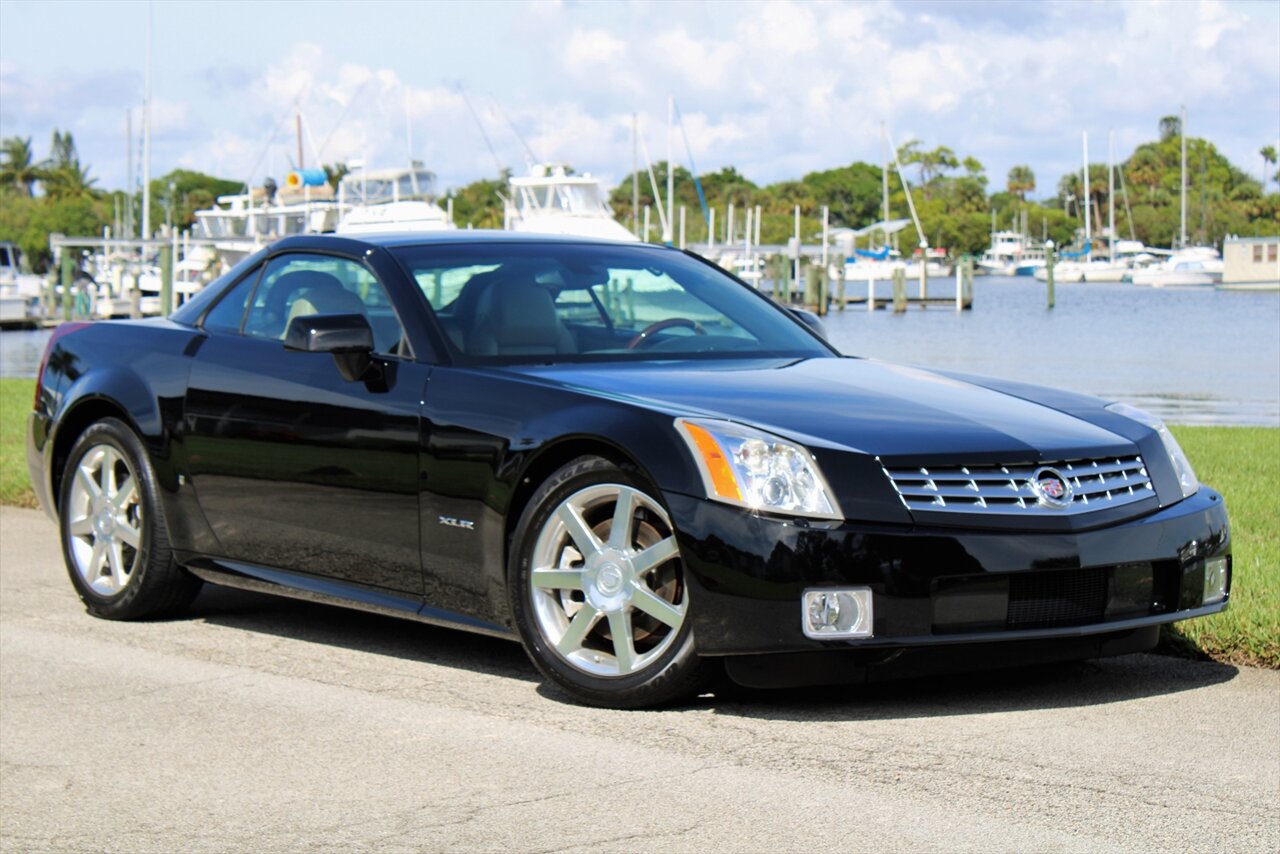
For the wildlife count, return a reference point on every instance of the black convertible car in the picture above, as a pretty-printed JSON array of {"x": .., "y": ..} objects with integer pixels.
[{"x": 632, "y": 462}]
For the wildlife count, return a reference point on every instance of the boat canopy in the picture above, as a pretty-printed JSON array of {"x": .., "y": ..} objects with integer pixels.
[
  {"x": 370, "y": 187},
  {"x": 879, "y": 255}
]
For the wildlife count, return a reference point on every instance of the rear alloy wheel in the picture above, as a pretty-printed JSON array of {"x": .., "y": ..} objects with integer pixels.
[
  {"x": 105, "y": 520},
  {"x": 599, "y": 590},
  {"x": 114, "y": 537}
]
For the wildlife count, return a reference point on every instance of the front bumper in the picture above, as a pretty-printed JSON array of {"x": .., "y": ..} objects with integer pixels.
[{"x": 939, "y": 587}]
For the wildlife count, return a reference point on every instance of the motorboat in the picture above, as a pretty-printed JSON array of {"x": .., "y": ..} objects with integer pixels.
[
  {"x": 1011, "y": 253},
  {"x": 1128, "y": 257},
  {"x": 385, "y": 200},
  {"x": 550, "y": 200},
  {"x": 1192, "y": 265},
  {"x": 19, "y": 291}
]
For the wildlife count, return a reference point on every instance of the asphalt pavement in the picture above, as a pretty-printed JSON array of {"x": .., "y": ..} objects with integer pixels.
[{"x": 264, "y": 724}]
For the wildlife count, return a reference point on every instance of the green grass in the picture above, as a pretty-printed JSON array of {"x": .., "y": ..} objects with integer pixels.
[
  {"x": 1243, "y": 463},
  {"x": 15, "y": 403}
]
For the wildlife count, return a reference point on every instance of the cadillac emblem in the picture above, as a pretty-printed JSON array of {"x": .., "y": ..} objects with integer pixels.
[{"x": 1051, "y": 488}]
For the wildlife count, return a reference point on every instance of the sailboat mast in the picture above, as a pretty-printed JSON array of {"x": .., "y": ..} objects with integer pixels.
[
  {"x": 884, "y": 174},
  {"x": 1182, "y": 228},
  {"x": 128, "y": 159},
  {"x": 146, "y": 132},
  {"x": 635, "y": 175},
  {"x": 1111, "y": 195},
  {"x": 1084, "y": 189},
  {"x": 671, "y": 171}
]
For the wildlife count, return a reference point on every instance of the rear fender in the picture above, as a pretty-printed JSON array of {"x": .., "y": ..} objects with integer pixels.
[{"x": 152, "y": 406}]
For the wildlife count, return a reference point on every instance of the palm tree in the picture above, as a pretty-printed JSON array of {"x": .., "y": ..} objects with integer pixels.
[
  {"x": 64, "y": 176},
  {"x": 69, "y": 181},
  {"x": 1268, "y": 153},
  {"x": 1170, "y": 126},
  {"x": 1021, "y": 181},
  {"x": 19, "y": 169}
]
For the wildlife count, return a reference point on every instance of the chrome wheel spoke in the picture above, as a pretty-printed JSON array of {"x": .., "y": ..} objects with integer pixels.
[
  {"x": 81, "y": 527},
  {"x": 109, "y": 486},
  {"x": 128, "y": 535},
  {"x": 582, "y": 535},
  {"x": 656, "y": 555},
  {"x": 128, "y": 494},
  {"x": 624, "y": 647},
  {"x": 578, "y": 628},
  {"x": 97, "y": 557},
  {"x": 657, "y": 607},
  {"x": 557, "y": 579},
  {"x": 84, "y": 480},
  {"x": 115, "y": 557},
  {"x": 623, "y": 515}
]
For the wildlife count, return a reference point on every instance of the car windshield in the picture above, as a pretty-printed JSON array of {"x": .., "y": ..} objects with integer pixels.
[{"x": 538, "y": 302}]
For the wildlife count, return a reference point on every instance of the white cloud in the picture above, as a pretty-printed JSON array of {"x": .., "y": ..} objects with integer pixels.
[
  {"x": 697, "y": 64},
  {"x": 589, "y": 49},
  {"x": 777, "y": 89}
]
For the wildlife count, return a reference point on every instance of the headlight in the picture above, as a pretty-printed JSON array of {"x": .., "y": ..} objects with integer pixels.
[
  {"x": 1181, "y": 465},
  {"x": 751, "y": 468}
]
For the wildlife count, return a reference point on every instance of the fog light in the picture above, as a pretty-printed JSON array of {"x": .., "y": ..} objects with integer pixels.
[
  {"x": 829, "y": 613},
  {"x": 1215, "y": 580}
]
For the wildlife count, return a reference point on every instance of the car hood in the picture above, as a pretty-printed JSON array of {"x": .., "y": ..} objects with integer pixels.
[{"x": 879, "y": 408}]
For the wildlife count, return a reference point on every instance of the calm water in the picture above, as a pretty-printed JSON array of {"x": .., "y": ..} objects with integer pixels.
[{"x": 1192, "y": 355}]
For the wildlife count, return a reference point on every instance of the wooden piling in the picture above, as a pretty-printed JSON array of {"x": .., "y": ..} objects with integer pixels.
[
  {"x": 135, "y": 298},
  {"x": 899, "y": 290},
  {"x": 840, "y": 288},
  {"x": 66, "y": 274},
  {"x": 1050, "y": 259},
  {"x": 166, "y": 280}
]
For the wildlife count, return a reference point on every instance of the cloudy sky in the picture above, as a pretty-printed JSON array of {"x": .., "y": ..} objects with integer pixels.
[{"x": 777, "y": 89}]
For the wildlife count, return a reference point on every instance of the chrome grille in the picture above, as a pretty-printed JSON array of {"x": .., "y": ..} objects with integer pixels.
[{"x": 1095, "y": 485}]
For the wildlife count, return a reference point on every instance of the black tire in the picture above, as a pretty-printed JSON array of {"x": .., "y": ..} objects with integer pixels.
[
  {"x": 155, "y": 586},
  {"x": 674, "y": 670}
]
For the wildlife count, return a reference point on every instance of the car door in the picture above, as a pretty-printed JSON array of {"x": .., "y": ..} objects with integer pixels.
[{"x": 294, "y": 467}]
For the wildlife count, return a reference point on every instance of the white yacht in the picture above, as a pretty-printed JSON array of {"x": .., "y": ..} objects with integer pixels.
[
  {"x": 246, "y": 221},
  {"x": 401, "y": 199},
  {"x": 390, "y": 200},
  {"x": 1011, "y": 254},
  {"x": 551, "y": 201},
  {"x": 19, "y": 291},
  {"x": 1192, "y": 265},
  {"x": 1129, "y": 257}
]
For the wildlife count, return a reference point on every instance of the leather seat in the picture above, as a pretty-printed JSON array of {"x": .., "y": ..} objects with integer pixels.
[
  {"x": 518, "y": 318},
  {"x": 324, "y": 300},
  {"x": 271, "y": 320}
]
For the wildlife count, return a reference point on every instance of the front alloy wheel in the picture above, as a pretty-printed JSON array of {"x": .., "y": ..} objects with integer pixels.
[{"x": 600, "y": 594}]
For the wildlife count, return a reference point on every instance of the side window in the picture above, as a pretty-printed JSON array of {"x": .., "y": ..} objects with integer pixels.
[
  {"x": 300, "y": 285},
  {"x": 229, "y": 312}
]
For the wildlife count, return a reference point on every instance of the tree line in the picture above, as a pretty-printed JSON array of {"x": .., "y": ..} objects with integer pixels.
[{"x": 952, "y": 194}]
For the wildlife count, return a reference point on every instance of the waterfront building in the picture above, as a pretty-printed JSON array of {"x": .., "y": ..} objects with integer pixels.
[{"x": 1250, "y": 260}]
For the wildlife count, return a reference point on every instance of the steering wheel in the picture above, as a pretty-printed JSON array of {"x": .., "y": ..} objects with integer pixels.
[{"x": 669, "y": 323}]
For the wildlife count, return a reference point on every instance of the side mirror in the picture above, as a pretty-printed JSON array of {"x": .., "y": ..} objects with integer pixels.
[
  {"x": 811, "y": 320},
  {"x": 348, "y": 337}
]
